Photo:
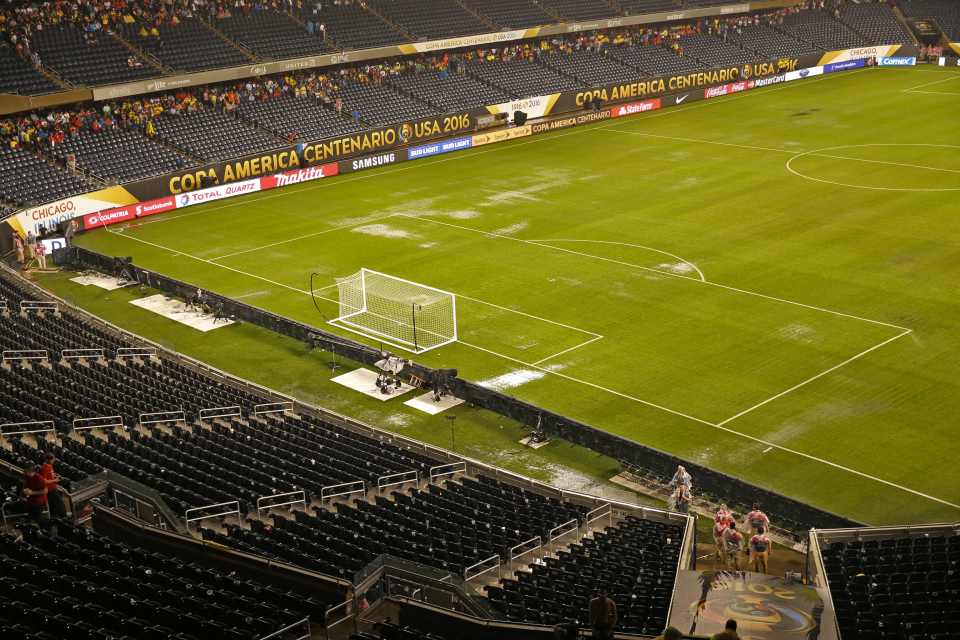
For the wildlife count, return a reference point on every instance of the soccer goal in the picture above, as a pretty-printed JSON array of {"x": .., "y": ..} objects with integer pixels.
[{"x": 405, "y": 314}]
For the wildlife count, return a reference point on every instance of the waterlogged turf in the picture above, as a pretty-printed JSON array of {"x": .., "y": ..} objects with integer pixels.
[{"x": 766, "y": 283}]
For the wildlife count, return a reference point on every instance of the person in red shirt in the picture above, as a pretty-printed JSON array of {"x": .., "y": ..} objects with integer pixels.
[
  {"x": 721, "y": 522},
  {"x": 760, "y": 546},
  {"x": 35, "y": 490},
  {"x": 52, "y": 480},
  {"x": 757, "y": 519},
  {"x": 733, "y": 541}
]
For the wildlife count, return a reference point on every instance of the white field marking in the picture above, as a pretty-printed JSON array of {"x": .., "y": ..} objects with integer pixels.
[
  {"x": 816, "y": 377},
  {"x": 817, "y": 152},
  {"x": 568, "y": 350},
  {"x": 511, "y": 379},
  {"x": 661, "y": 271},
  {"x": 938, "y": 93},
  {"x": 204, "y": 260},
  {"x": 494, "y": 148},
  {"x": 771, "y": 445},
  {"x": 555, "y": 372},
  {"x": 930, "y": 84},
  {"x": 303, "y": 237},
  {"x": 767, "y": 449},
  {"x": 630, "y": 244},
  {"x": 593, "y": 334}
]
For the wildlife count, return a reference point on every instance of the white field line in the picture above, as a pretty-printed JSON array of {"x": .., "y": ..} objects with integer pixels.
[
  {"x": 937, "y": 93},
  {"x": 816, "y": 377},
  {"x": 767, "y": 443},
  {"x": 568, "y": 350},
  {"x": 630, "y": 244},
  {"x": 204, "y": 210},
  {"x": 355, "y": 223},
  {"x": 660, "y": 271},
  {"x": 606, "y": 389},
  {"x": 593, "y": 334},
  {"x": 930, "y": 84},
  {"x": 790, "y": 151}
]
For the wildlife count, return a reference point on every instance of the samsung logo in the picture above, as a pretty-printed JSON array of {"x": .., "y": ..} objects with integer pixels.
[{"x": 373, "y": 161}]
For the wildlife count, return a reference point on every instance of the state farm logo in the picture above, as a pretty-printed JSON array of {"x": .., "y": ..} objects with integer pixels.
[{"x": 635, "y": 107}]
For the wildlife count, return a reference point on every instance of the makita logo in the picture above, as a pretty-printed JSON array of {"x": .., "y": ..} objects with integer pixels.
[
  {"x": 374, "y": 161},
  {"x": 299, "y": 175}
]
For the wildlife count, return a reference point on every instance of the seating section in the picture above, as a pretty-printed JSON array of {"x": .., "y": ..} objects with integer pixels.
[
  {"x": 636, "y": 561},
  {"x": 714, "y": 52},
  {"x": 821, "y": 30},
  {"x": 210, "y": 135},
  {"x": 430, "y": 20},
  {"x": 876, "y": 22},
  {"x": 521, "y": 78},
  {"x": 768, "y": 43},
  {"x": 271, "y": 35},
  {"x": 638, "y": 7},
  {"x": 27, "y": 179},
  {"x": 451, "y": 528},
  {"x": 78, "y": 584},
  {"x": 187, "y": 46},
  {"x": 350, "y": 26},
  {"x": 305, "y": 118},
  {"x": 107, "y": 154},
  {"x": 510, "y": 13},
  {"x": 19, "y": 76},
  {"x": 656, "y": 61},
  {"x": 591, "y": 67},
  {"x": 379, "y": 105},
  {"x": 446, "y": 92},
  {"x": 903, "y": 588},
  {"x": 579, "y": 9},
  {"x": 88, "y": 59},
  {"x": 946, "y": 13}
]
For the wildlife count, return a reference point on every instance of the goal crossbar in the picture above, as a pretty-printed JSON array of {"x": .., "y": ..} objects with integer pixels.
[{"x": 408, "y": 315}]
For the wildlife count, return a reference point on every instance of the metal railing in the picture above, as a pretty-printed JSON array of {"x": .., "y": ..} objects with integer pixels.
[
  {"x": 162, "y": 416},
  {"x": 394, "y": 479},
  {"x": 535, "y": 544},
  {"x": 22, "y": 428},
  {"x": 103, "y": 422},
  {"x": 476, "y": 570},
  {"x": 220, "y": 412},
  {"x": 38, "y": 305},
  {"x": 284, "y": 496},
  {"x": 272, "y": 407},
  {"x": 603, "y": 511},
  {"x": 348, "y": 488},
  {"x": 226, "y": 512},
  {"x": 565, "y": 529},
  {"x": 136, "y": 352},
  {"x": 299, "y": 630},
  {"x": 79, "y": 354},
  {"x": 26, "y": 354},
  {"x": 337, "y": 615},
  {"x": 3, "y": 306},
  {"x": 447, "y": 470}
]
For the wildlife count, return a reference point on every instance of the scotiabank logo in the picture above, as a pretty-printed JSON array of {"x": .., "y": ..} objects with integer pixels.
[{"x": 635, "y": 107}]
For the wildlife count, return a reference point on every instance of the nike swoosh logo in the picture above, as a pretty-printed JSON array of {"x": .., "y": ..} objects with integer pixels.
[{"x": 681, "y": 99}]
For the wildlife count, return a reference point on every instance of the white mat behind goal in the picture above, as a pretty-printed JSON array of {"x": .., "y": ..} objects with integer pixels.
[
  {"x": 104, "y": 282},
  {"x": 365, "y": 381},
  {"x": 178, "y": 311}
]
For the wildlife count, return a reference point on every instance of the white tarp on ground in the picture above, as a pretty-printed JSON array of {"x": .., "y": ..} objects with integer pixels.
[
  {"x": 365, "y": 381},
  {"x": 178, "y": 311},
  {"x": 426, "y": 403},
  {"x": 99, "y": 280}
]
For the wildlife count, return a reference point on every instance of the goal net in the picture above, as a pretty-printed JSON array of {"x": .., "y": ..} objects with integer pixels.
[{"x": 406, "y": 314}]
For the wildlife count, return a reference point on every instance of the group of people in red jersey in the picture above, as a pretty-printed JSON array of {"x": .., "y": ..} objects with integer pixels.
[
  {"x": 40, "y": 490},
  {"x": 732, "y": 546}
]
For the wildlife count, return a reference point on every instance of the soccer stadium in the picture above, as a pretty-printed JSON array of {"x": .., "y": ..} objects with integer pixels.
[{"x": 479, "y": 319}]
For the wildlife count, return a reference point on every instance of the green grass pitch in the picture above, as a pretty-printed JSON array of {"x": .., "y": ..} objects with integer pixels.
[{"x": 765, "y": 284}]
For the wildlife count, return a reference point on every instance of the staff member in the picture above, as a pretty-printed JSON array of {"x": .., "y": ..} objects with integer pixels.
[
  {"x": 52, "y": 481},
  {"x": 721, "y": 522},
  {"x": 733, "y": 541},
  {"x": 760, "y": 546},
  {"x": 757, "y": 519},
  {"x": 603, "y": 615},
  {"x": 35, "y": 490}
]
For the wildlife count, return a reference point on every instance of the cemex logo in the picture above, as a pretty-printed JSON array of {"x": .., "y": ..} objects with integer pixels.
[
  {"x": 897, "y": 61},
  {"x": 635, "y": 107}
]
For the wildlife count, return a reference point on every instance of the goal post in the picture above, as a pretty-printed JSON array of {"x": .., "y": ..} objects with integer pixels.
[{"x": 408, "y": 315}]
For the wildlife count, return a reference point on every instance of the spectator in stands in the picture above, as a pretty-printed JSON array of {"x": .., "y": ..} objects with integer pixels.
[
  {"x": 729, "y": 632},
  {"x": 760, "y": 547},
  {"x": 35, "y": 491},
  {"x": 603, "y": 615},
  {"x": 681, "y": 477},
  {"x": 40, "y": 251},
  {"x": 670, "y": 633},
  {"x": 757, "y": 519},
  {"x": 733, "y": 544},
  {"x": 683, "y": 498},
  {"x": 52, "y": 480}
]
